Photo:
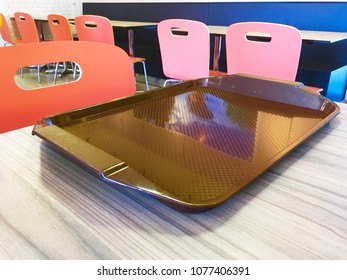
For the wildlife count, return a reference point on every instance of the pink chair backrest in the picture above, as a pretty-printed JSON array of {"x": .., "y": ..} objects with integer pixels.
[
  {"x": 184, "y": 56},
  {"x": 26, "y": 27},
  {"x": 277, "y": 58},
  {"x": 60, "y": 27},
  {"x": 20, "y": 107},
  {"x": 94, "y": 28},
  {"x": 4, "y": 30}
]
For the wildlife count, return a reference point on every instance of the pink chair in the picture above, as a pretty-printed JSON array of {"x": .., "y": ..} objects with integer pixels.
[
  {"x": 275, "y": 57},
  {"x": 60, "y": 29},
  {"x": 28, "y": 33},
  {"x": 185, "y": 50},
  {"x": 99, "y": 29},
  {"x": 20, "y": 107}
]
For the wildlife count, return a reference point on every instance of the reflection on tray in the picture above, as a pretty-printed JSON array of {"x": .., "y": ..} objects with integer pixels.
[{"x": 211, "y": 121}]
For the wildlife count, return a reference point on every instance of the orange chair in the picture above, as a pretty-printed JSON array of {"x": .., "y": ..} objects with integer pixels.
[
  {"x": 20, "y": 107},
  {"x": 99, "y": 29},
  {"x": 26, "y": 27},
  {"x": 28, "y": 33},
  {"x": 185, "y": 50},
  {"x": 6, "y": 33},
  {"x": 60, "y": 29}
]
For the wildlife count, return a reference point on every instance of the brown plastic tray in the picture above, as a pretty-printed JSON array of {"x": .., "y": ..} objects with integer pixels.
[{"x": 192, "y": 145}]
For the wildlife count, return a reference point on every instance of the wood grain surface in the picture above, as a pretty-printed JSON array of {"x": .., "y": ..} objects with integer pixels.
[{"x": 50, "y": 208}]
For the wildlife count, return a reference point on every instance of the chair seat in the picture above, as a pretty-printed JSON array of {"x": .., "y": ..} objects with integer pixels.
[
  {"x": 315, "y": 89},
  {"x": 215, "y": 73},
  {"x": 137, "y": 59},
  {"x": 17, "y": 41}
]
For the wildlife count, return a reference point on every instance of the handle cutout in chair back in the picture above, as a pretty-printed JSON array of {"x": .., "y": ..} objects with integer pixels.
[
  {"x": 22, "y": 18},
  {"x": 258, "y": 37},
  {"x": 90, "y": 24},
  {"x": 67, "y": 72},
  {"x": 55, "y": 21},
  {"x": 179, "y": 31}
]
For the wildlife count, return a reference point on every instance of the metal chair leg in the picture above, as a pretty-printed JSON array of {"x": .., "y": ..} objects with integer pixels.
[
  {"x": 56, "y": 72},
  {"x": 145, "y": 74},
  {"x": 38, "y": 74},
  {"x": 171, "y": 81}
]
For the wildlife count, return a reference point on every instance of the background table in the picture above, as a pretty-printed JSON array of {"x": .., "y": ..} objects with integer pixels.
[
  {"x": 130, "y": 26},
  {"x": 307, "y": 35},
  {"x": 52, "y": 209}
]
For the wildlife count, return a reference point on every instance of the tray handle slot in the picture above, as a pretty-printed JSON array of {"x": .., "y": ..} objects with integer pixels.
[
  {"x": 95, "y": 159},
  {"x": 106, "y": 166}
]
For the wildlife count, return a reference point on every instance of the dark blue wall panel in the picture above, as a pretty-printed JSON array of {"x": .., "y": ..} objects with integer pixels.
[
  {"x": 148, "y": 11},
  {"x": 160, "y": 11},
  {"x": 310, "y": 15}
]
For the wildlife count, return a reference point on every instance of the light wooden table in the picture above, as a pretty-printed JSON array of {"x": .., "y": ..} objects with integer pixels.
[
  {"x": 307, "y": 35},
  {"x": 128, "y": 25},
  {"x": 42, "y": 27},
  {"x": 52, "y": 209}
]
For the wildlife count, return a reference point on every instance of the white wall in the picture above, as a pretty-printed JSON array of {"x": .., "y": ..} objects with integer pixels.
[
  {"x": 40, "y": 8},
  {"x": 153, "y": 1}
]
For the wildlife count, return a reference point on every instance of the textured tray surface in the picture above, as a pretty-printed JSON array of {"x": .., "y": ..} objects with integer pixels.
[{"x": 198, "y": 144}]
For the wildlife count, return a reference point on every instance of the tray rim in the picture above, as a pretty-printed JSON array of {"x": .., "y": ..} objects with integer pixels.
[{"x": 172, "y": 201}]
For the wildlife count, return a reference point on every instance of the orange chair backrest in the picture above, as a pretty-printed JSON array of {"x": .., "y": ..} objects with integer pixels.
[
  {"x": 278, "y": 57},
  {"x": 20, "y": 107},
  {"x": 60, "y": 27},
  {"x": 185, "y": 54},
  {"x": 26, "y": 27},
  {"x": 94, "y": 28},
  {"x": 5, "y": 30}
]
